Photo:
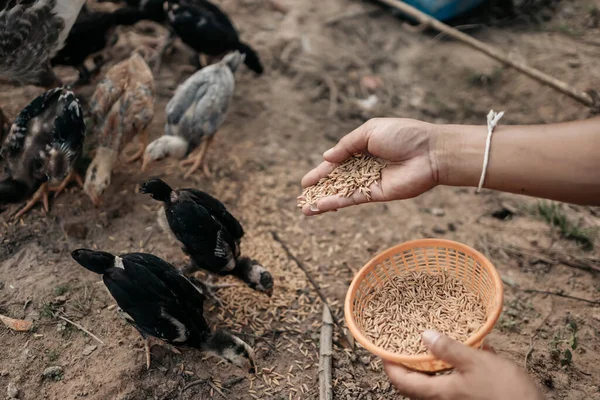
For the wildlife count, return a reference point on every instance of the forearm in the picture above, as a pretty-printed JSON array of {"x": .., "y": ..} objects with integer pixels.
[{"x": 556, "y": 161}]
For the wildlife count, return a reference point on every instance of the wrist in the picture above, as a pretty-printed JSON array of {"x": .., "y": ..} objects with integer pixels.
[{"x": 458, "y": 153}]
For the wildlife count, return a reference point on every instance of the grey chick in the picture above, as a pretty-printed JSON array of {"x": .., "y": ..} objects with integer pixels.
[{"x": 195, "y": 113}]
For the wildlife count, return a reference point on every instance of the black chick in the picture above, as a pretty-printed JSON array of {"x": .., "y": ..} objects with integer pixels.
[
  {"x": 207, "y": 29},
  {"x": 162, "y": 303},
  {"x": 208, "y": 233},
  {"x": 90, "y": 34},
  {"x": 42, "y": 147}
]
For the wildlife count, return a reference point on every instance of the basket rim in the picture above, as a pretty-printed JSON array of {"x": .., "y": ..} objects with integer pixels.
[{"x": 396, "y": 358}]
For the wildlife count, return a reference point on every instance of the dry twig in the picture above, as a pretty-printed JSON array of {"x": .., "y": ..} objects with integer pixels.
[
  {"x": 584, "y": 264},
  {"x": 534, "y": 73},
  {"x": 559, "y": 294},
  {"x": 81, "y": 328},
  {"x": 313, "y": 283},
  {"x": 325, "y": 352},
  {"x": 233, "y": 381},
  {"x": 193, "y": 383},
  {"x": 534, "y": 336}
]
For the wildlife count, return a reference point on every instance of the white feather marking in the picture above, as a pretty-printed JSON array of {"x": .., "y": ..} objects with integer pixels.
[
  {"x": 222, "y": 250},
  {"x": 181, "y": 329},
  {"x": 255, "y": 273},
  {"x": 119, "y": 263},
  {"x": 74, "y": 106},
  {"x": 68, "y": 10}
]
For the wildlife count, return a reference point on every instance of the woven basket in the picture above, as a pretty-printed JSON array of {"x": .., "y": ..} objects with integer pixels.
[{"x": 430, "y": 256}]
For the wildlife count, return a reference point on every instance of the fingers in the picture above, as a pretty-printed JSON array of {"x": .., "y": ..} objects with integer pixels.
[
  {"x": 354, "y": 142},
  {"x": 317, "y": 173},
  {"x": 455, "y": 353},
  {"x": 411, "y": 384},
  {"x": 332, "y": 203}
]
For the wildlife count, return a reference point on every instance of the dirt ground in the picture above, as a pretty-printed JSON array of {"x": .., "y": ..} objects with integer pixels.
[{"x": 280, "y": 123}]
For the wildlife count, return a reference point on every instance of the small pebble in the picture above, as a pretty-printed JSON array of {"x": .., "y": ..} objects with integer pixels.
[
  {"x": 439, "y": 230},
  {"x": 365, "y": 360},
  {"x": 13, "y": 391},
  {"x": 52, "y": 372},
  {"x": 438, "y": 212},
  {"x": 61, "y": 299},
  {"x": 87, "y": 350}
]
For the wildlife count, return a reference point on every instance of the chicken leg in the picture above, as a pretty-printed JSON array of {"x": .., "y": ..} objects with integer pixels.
[
  {"x": 73, "y": 176},
  {"x": 143, "y": 136},
  {"x": 198, "y": 159},
  {"x": 40, "y": 194},
  {"x": 151, "y": 341}
]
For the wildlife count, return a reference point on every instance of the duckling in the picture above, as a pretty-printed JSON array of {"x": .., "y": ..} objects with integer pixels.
[
  {"x": 122, "y": 107},
  {"x": 97, "y": 28},
  {"x": 42, "y": 147},
  {"x": 31, "y": 34},
  {"x": 195, "y": 113},
  {"x": 163, "y": 305},
  {"x": 208, "y": 233},
  {"x": 208, "y": 30}
]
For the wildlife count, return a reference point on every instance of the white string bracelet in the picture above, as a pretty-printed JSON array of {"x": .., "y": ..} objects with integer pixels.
[{"x": 492, "y": 122}]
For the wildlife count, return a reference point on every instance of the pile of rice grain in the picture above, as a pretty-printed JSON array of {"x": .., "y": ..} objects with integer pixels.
[
  {"x": 405, "y": 306},
  {"x": 356, "y": 173}
]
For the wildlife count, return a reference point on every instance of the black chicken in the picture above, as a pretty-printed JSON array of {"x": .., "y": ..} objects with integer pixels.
[
  {"x": 90, "y": 34},
  {"x": 208, "y": 233},
  {"x": 162, "y": 303},
  {"x": 208, "y": 30},
  {"x": 42, "y": 147}
]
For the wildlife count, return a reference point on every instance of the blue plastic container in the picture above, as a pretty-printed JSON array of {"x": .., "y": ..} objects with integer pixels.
[{"x": 444, "y": 9}]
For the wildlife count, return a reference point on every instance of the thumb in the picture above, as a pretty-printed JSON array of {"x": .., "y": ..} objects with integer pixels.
[
  {"x": 354, "y": 142},
  {"x": 455, "y": 353}
]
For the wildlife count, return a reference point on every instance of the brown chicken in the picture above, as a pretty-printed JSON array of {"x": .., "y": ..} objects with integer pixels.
[{"x": 122, "y": 107}]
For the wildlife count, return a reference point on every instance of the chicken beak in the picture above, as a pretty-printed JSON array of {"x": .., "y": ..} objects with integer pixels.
[
  {"x": 96, "y": 200},
  {"x": 269, "y": 292}
]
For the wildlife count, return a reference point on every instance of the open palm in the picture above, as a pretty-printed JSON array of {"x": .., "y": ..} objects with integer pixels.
[{"x": 405, "y": 145}]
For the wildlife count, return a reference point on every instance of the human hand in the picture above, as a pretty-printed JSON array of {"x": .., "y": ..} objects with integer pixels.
[
  {"x": 407, "y": 147},
  {"x": 480, "y": 375}
]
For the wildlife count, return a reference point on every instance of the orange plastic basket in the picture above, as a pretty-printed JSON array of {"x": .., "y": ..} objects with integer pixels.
[{"x": 431, "y": 256}]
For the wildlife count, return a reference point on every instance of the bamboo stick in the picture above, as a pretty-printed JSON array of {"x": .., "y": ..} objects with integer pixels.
[{"x": 325, "y": 352}]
